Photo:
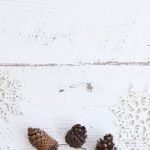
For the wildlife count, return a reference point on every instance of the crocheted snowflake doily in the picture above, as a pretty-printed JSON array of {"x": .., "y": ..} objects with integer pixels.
[
  {"x": 9, "y": 95},
  {"x": 133, "y": 119}
]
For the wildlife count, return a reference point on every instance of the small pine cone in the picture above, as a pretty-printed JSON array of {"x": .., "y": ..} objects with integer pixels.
[
  {"x": 41, "y": 140},
  {"x": 106, "y": 143},
  {"x": 76, "y": 137}
]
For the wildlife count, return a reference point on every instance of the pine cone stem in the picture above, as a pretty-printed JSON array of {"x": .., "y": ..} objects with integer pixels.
[{"x": 81, "y": 148}]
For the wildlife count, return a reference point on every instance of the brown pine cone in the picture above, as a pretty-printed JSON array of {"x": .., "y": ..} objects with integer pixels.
[
  {"x": 106, "y": 143},
  {"x": 41, "y": 140},
  {"x": 76, "y": 137}
]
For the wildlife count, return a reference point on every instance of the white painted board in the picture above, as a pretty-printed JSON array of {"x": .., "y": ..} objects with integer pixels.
[
  {"x": 43, "y": 104},
  {"x": 68, "y": 31}
]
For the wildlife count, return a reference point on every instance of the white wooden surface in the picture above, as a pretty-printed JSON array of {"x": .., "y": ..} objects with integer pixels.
[
  {"x": 54, "y": 45},
  {"x": 69, "y": 31},
  {"x": 44, "y": 106}
]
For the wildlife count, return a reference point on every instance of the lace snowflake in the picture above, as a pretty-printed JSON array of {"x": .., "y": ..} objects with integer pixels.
[
  {"x": 9, "y": 96},
  {"x": 133, "y": 118}
]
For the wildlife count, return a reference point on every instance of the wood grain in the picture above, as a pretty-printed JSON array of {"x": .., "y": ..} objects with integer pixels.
[
  {"x": 75, "y": 58},
  {"x": 43, "y": 31},
  {"x": 45, "y": 106}
]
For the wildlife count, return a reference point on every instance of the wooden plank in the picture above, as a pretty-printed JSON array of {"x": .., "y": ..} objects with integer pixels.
[
  {"x": 54, "y": 98},
  {"x": 42, "y": 31}
]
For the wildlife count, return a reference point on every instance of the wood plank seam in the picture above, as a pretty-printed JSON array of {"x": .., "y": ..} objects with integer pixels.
[{"x": 98, "y": 63}]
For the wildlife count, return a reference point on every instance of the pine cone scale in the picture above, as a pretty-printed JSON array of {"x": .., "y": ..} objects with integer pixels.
[
  {"x": 76, "y": 137},
  {"x": 106, "y": 143},
  {"x": 41, "y": 140}
]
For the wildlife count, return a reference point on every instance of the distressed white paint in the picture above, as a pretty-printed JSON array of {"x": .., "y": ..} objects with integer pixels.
[
  {"x": 83, "y": 39},
  {"x": 45, "y": 107},
  {"x": 70, "y": 31}
]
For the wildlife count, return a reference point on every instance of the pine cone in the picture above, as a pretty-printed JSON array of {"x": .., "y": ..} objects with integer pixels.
[
  {"x": 106, "y": 143},
  {"x": 41, "y": 140},
  {"x": 76, "y": 137}
]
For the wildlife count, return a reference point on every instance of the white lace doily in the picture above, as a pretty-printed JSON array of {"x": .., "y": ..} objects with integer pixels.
[
  {"x": 9, "y": 95},
  {"x": 133, "y": 119}
]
